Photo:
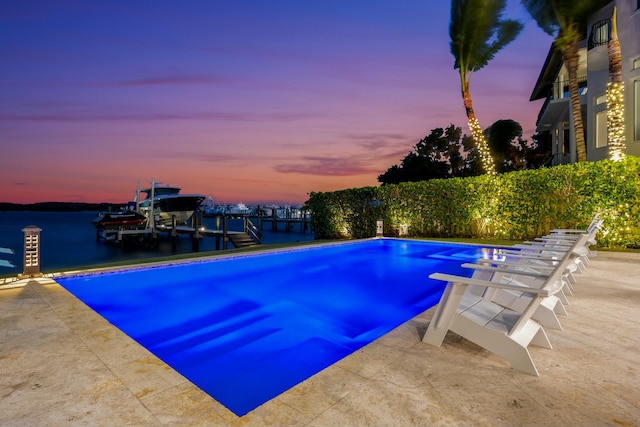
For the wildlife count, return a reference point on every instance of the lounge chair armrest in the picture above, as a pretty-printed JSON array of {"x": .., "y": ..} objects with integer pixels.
[
  {"x": 568, "y": 230},
  {"x": 552, "y": 241},
  {"x": 530, "y": 256},
  {"x": 542, "y": 248},
  {"x": 506, "y": 270},
  {"x": 485, "y": 262},
  {"x": 539, "y": 241},
  {"x": 461, "y": 280},
  {"x": 559, "y": 238},
  {"x": 515, "y": 252}
]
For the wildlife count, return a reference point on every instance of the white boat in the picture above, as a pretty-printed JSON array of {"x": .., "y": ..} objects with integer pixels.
[
  {"x": 167, "y": 203},
  {"x": 239, "y": 209}
]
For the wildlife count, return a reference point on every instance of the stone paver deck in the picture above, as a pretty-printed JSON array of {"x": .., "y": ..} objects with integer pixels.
[{"x": 63, "y": 364}]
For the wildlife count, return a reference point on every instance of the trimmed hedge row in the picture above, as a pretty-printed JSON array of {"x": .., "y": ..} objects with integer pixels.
[{"x": 516, "y": 205}]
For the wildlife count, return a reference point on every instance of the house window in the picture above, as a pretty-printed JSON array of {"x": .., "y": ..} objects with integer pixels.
[
  {"x": 602, "y": 99},
  {"x": 599, "y": 34},
  {"x": 636, "y": 62},
  {"x": 601, "y": 129}
]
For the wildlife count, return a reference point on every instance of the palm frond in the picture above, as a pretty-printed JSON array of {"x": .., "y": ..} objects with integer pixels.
[
  {"x": 478, "y": 31},
  {"x": 543, "y": 12}
]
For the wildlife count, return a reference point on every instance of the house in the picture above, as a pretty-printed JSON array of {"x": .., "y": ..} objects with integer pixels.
[{"x": 593, "y": 75}]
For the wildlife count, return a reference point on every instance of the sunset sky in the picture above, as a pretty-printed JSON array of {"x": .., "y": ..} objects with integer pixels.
[{"x": 250, "y": 101}]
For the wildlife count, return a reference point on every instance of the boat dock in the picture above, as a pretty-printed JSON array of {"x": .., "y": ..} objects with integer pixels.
[
  {"x": 291, "y": 220},
  {"x": 249, "y": 236}
]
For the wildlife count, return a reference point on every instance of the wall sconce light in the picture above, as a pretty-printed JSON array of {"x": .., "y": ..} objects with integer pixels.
[{"x": 404, "y": 229}]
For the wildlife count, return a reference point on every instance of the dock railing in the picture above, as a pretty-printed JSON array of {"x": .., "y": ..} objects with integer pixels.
[
  {"x": 252, "y": 230},
  {"x": 289, "y": 217}
]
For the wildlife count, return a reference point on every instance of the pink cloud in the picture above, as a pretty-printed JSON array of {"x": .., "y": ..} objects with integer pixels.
[{"x": 327, "y": 166}]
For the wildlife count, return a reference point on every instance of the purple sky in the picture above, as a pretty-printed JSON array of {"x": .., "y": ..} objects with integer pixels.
[{"x": 248, "y": 101}]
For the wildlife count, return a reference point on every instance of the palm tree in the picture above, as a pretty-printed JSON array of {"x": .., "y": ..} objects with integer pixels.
[
  {"x": 615, "y": 91},
  {"x": 567, "y": 19},
  {"x": 477, "y": 33}
]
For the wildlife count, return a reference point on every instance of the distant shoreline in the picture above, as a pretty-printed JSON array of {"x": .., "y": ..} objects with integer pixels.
[{"x": 60, "y": 206}]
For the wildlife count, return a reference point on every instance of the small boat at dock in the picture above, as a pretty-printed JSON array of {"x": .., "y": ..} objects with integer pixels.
[{"x": 126, "y": 218}]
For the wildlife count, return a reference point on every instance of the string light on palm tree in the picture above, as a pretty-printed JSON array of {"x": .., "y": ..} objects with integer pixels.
[
  {"x": 483, "y": 147},
  {"x": 615, "y": 120},
  {"x": 615, "y": 95}
]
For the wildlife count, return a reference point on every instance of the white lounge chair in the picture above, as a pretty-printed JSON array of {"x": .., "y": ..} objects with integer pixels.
[
  {"x": 530, "y": 271},
  {"x": 550, "y": 307},
  {"x": 541, "y": 265},
  {"x": 553, "y": 246},
  {"x": 596, "y": 224},
  {"x": 566, "y": 236},
  {"x": 465, "y": 311},
  {"x": 545, "y": 260}
]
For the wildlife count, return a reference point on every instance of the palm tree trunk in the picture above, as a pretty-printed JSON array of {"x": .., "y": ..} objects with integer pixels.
[
  {"x": 615, "y": 60},
  {"x": 571, "y": 60},
  {"x": 476, "y": 132}
]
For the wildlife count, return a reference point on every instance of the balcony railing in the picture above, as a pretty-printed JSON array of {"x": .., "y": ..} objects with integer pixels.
[
  {"x": 561, "y": 88},
  {"x": 600, "y": 34}
]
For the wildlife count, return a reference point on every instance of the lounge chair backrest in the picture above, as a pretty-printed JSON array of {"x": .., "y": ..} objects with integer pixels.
[
  {"x": 472, "y": 314},
  {"x": 570, "y": 254}
]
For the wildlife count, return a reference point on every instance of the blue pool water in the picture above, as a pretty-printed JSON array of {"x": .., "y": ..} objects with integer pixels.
[{"x": 245, "y": 329}]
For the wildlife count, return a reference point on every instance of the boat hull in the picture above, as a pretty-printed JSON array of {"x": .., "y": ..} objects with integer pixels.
[
  {"x": 115, "y": 220},
  {"x": 180, "y": 206}
]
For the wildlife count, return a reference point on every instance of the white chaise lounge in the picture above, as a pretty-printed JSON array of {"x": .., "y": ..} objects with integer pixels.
[
  {"x": 466, "y": 310},
  {"x": 531, "y": 271}
]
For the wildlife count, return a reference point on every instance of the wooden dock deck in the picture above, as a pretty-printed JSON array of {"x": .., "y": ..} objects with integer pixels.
[
  {"x": 252, "y": 234},
  {"x": 291, "y": 219}
]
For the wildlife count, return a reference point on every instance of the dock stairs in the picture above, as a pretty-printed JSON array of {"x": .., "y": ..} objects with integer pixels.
[{"x": 241, "y": 240}]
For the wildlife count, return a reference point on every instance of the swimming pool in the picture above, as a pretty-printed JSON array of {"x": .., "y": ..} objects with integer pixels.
[{"x": 246, "y": 328}]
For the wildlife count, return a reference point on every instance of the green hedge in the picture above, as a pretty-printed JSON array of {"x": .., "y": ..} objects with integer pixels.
[{"x": 517, "y": 205}]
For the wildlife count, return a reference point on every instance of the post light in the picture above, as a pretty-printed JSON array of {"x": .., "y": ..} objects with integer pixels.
[
  {"x": 379, "y": 227},
  {"x": 31, "y": 251}
]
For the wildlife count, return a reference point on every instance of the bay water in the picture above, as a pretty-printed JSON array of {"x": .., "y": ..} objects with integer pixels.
[{"x": 68, "y": 241}]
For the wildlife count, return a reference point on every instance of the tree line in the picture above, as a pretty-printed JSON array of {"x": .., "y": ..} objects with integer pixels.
[{"x": 447, "y": 153}]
